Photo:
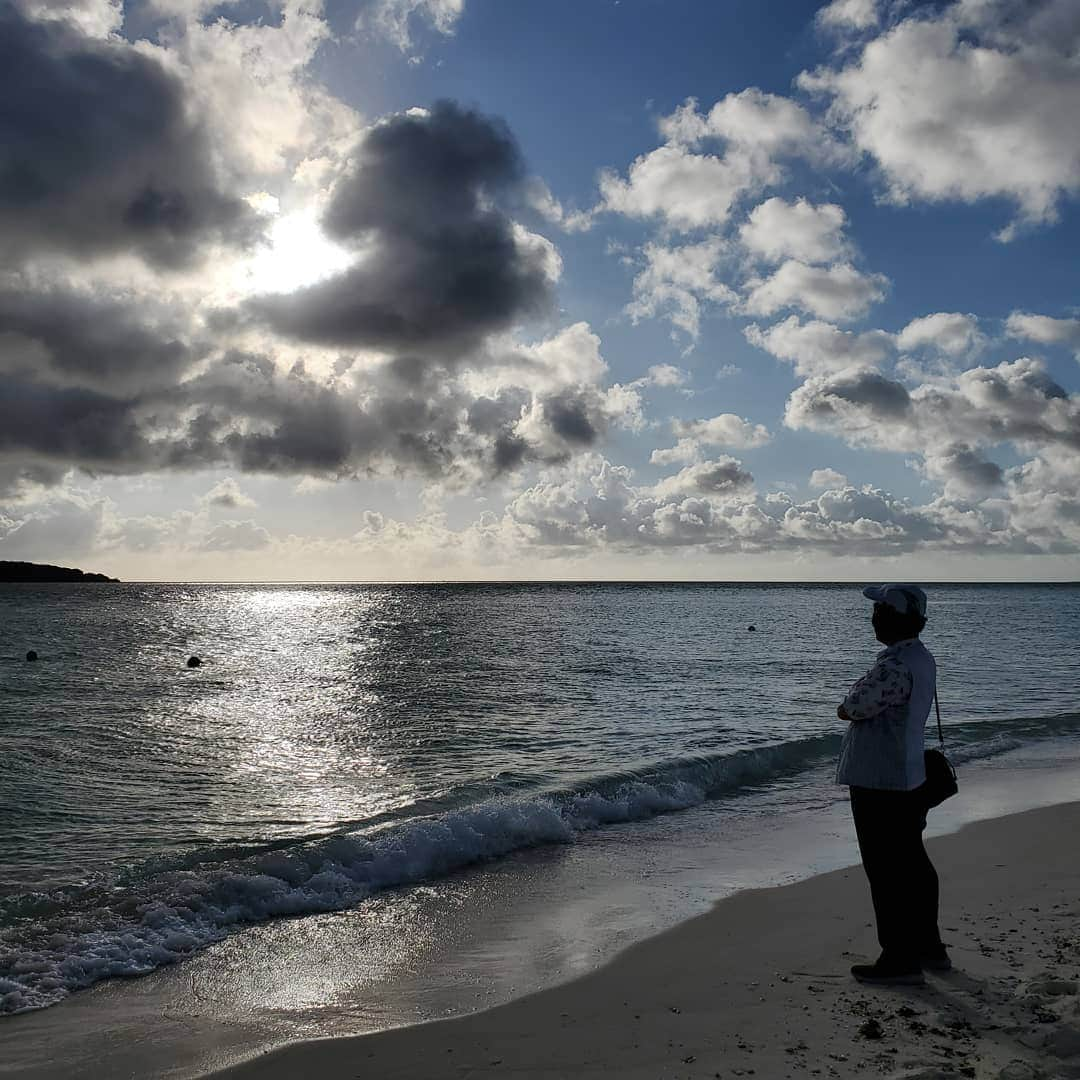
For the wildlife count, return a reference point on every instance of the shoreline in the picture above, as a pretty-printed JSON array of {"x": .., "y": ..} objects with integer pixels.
[
  {"x": 488, "y": 938},
  {"x": 759, "y": 986}
]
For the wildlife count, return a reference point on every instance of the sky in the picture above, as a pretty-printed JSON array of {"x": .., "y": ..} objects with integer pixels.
[{"x": 541, "y": 289}]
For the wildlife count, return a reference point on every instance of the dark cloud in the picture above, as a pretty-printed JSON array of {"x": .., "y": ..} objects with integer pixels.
[
  {"x": 858, "y": 404},
  {"x": 103, "y": 342},
  {"x": 98, "y": 151},
  {"x": 496, "y": 417},
  {"x": 965, "y": 467},
  {"x": 721, "y": 477},
  {"x": 69, "y": 424},
  {"x": 568, "y": 413},
  {"x": 439, "y": 265},
  {"x": 241, "y": 411},
  {"x": 881, "y": 397}
]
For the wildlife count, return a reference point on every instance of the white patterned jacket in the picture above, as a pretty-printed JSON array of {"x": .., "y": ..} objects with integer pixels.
[{"x": 888, "y": 706}]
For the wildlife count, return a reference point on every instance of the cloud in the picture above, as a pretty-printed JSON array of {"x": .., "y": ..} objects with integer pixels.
[
  {"x": 827, "y": 478},
  {"x": 537, "y": 195},
  {"x": 720, "y": 477},
  {"x": 678, "y": 281},
  {"x": 727, "y": 429},
  {"x": 100, "y": 154},
  {"x": 438, "y": 267},
  {"x": 249, "y": 82},
  {"x": 1044, "y": 329},
  {"x": 95, "y": 18},
  {"x": 945, "y": 420},
  {"x": 239, "y": 410},
  {"x": 964, "y": 471},
  {"x": 227, "y": 494},
  {"x": 106, "y": 340},
  {"x": 392, "y": 18},
  {"x": 685, "y": 450},
  {"x": 687, "y": 190},
  {"x": 777, "y": 230},
  {"x": 711, "y": 506},
  {"x": 864, "y": 406},
  {"x": 819, "y": 348},
  {"x": 946, "y": 332},
  {"x": 60, "y": 524},
  {"x": 750, "y": 119},
  {"x": 970, "y": 101},
  {"x": 236, "y": 536},
  {"x": 837, "y": 292},
  {"x": 666, "y": 375},
  {"x": 848, "y": 14}
]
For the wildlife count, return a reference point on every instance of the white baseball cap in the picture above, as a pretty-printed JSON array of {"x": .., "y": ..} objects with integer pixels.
[{"x": 906, "y": 599}]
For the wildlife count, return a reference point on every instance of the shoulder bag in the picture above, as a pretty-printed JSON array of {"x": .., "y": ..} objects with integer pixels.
[{"x": 940, "y": 783}]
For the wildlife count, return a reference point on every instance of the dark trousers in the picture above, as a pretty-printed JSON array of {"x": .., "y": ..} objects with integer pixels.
[{"x": 903, "y": 881}]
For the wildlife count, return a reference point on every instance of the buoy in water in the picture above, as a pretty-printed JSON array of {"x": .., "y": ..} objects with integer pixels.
[
  {"x": 194, "y": 661},
  {"x": 31, "y": 655},
  {"x": 751, "y": 627}
]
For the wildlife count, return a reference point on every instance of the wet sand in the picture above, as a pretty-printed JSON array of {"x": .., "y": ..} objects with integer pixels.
[{"x": 759, "y": 986}]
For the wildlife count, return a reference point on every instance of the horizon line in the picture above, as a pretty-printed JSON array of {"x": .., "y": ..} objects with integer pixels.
[{"x": 557, "y": 581}]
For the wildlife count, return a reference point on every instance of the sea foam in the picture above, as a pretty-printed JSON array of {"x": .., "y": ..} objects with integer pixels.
[{"x": 53, "y": 944}]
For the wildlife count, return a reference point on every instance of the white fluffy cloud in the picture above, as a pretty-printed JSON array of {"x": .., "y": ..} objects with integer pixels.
[
  {"x": 726, "y": 430},
  {"x": 677, "y": 282},
  {"x": 951, "y": 425},
  {"x": 839, "y": 292},
  {"x": 1043, "y": 329},
  {"x": 947, "y": 332},
  {"x": 1016, "y": 402},
  {"x": 778, "y": 230},
  {"x": 95, "y": 18},
  {"x": 818, "y": 348},
  {"x": 250, "y": 84},
  {"x": 752, "y": 120},
  {"x": 666, "y": 375},
  {"x": 827, "y": 478},
  {"x": 975, "y": 100},
  {"x": 711, "y": 506},
  {"x": 686, "y": 189},
  {"x": 849, "y": 14}
]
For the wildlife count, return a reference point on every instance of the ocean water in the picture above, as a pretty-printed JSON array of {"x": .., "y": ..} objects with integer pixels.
[{"x": 340, "y": 741}]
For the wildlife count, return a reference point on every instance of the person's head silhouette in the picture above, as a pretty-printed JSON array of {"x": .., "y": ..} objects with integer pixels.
[{"x": 899, "y": 612}]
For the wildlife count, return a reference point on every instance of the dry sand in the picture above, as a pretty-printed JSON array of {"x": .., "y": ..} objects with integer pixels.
[{"x": 760, "y": 987}]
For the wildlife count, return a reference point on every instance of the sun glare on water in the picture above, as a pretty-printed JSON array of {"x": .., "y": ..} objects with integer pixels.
[{"x": 297, "y": 254}]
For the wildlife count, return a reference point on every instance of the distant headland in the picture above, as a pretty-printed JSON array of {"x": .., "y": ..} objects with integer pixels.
[{"x": 28, "y": 571}]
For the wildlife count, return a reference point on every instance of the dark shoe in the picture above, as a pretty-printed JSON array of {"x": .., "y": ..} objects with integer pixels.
[
  {"x": 935, "y": 959},
  {"x": 884, "y": 972}
]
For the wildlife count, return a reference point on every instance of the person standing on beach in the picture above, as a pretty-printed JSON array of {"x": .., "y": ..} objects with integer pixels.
[{"x": 881, "y": 760}]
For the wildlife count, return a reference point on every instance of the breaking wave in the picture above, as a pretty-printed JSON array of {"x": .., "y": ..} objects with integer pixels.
[{"x": 54, "y": 943}]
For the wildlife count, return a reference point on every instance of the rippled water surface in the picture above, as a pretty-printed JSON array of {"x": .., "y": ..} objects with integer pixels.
[{"x": 338, "y": 740}]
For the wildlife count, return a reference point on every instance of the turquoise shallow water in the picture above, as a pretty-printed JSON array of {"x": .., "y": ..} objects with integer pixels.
[{"x": 342, "y": 740}]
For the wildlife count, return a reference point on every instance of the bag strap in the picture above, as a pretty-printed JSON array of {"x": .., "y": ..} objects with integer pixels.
[{"x": 937, "y": 709}]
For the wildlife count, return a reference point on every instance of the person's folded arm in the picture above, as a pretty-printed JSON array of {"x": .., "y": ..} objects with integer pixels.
[{"x": 885, "y": 685}]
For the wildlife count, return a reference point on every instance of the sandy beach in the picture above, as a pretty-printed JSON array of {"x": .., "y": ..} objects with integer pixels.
[{"x": 759, "y": 987}]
